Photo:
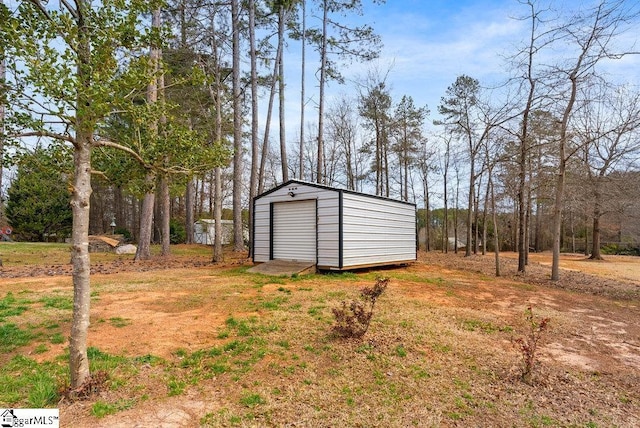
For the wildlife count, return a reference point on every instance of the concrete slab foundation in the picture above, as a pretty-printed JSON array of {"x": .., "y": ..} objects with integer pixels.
[{"x": 284, "y": 267}]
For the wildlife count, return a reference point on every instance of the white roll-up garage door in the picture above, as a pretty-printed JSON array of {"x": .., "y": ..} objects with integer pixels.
[{"x": 294, "y": 230}]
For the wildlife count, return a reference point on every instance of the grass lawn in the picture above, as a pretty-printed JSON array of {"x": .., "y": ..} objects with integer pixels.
[{"x": 217, "y": 346}]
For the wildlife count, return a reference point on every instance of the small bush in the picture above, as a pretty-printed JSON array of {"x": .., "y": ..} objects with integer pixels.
[
  {"x": 353, "y": 319},
  {"x": 177, "y": 232},
  {"x": 528, "y": 345},
  {"x": 126, "y": 234}
]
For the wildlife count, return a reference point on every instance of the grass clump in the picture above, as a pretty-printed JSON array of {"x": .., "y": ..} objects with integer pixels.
[
  {"x": 101, "y": 408},
  {"x": 252, "y": 400},
  {"x": 25, "y": 383},
  {"x": 57, "y": 302},
  {"x": 10, "y": 306},
  {"x": 353, "y": 319},
  {"x": 12, "y": 337}
]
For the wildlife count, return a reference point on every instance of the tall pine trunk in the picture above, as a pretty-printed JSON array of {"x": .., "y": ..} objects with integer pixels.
[
  {"x": 282, "y": 16},
  {"x": 302, "y": 86},
  {"x": 323, "y": 65},
  {"x": 238, "y": 239}
]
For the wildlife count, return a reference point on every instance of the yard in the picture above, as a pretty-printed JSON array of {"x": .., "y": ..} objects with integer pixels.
[{"x": 187, "y": 343}]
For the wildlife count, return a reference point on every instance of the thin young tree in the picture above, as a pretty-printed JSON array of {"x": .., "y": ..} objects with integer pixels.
[{"x": 80, "y": 81}]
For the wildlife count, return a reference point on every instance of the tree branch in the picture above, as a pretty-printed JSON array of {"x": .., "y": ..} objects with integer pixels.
[
  {"x": 112, "y": 144},
  {"x": 47, "y": 134}
]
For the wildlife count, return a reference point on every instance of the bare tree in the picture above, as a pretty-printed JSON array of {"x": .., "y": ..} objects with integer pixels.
[
  {"x": 525, "y": 62},
  {"x": 592, "y": 34},
  {"x": 374, "y": 106},
  {"x": 608, "y": 128},
  {"x": 342, "y": 128}
]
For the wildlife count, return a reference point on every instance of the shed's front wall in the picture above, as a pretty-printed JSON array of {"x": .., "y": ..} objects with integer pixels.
[
  {"x": 327, "y": 218},
  {"x": 377, "y": 231}
]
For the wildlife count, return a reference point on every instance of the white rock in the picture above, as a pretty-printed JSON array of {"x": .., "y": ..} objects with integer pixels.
[{"x": 126, "y": 249}]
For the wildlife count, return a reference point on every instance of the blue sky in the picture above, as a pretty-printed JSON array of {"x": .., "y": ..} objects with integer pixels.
[{"x": 428, "y": 43}]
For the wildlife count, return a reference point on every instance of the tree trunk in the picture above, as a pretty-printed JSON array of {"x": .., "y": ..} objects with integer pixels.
[
  {"x": 427, "y": 218},
  {"x": 476, "y": 218},
  {"x": 143, "y": 252},
  {"x": 238, "y": 239},
  {"x": 80, "y": 206},
  {"x": 302, "y": 87},
  {"x": 562, "y": 167},
  {"x": 216, "y": 176},
  {"x": 323, "y": 66},
  {"x": 3, "y": 76},
  {"x": 217, "y": 215},
  {"x": 595, "y": 238},
  {"x": 165, "y": 215},
  {"x": 255, "y": 147},
  {"x": 78, "y": 360},
  {"x": 267, "y": 126},
  {"x": 485, "y": 211},
  {"x": 455, "y": 214},
  {"x": 281, "y": 86},
  {"x": 472, "y": 192},
  {"x": 496, "y": 238},
  {"x": 445, "y": 225},
  {"x": 189, "y": 199}
]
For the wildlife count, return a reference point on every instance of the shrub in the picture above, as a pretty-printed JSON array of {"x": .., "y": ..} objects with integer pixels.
[
  {"x": 528, "y": 345},
  {"x": 126, "y": 234},
  {"x": 177, "y": 232},
  {"x": 353, "y": 319}
]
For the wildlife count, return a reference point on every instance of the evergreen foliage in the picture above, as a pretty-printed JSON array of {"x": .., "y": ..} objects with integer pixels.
[{"x": 38, "y": 206}]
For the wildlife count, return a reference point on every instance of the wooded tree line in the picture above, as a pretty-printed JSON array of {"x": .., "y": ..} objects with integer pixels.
[{"x": 167, "y": 108}]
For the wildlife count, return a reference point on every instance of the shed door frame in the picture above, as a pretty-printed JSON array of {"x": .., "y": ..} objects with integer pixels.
[{"x": 272, "y": 225}]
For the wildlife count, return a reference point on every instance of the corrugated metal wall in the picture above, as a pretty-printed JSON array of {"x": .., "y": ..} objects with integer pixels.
[{"x": 377, "y": 231}]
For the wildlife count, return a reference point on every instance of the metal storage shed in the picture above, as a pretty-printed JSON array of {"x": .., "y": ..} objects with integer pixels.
[{"x": 334, "y": 228}]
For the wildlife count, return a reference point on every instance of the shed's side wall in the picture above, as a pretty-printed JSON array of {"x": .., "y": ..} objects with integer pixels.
[
  {"x": 377, "y": 231},
  {"x": 327, "y": 221}
]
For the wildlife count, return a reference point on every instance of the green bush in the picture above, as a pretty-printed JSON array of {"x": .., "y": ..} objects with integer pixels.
[
  {"x": 124, "y": 232},
  {"x": 177, "y": 232},
  {"x": 621, "y": 250}
]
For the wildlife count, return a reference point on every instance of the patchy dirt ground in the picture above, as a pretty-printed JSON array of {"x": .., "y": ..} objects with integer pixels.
[{"x": 594, "y": 310}]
